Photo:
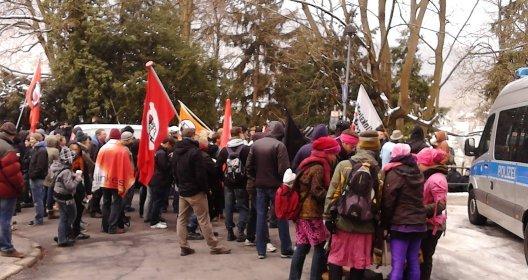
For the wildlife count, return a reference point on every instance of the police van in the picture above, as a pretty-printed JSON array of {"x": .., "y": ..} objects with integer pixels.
[{"x": 498, "y": 185}]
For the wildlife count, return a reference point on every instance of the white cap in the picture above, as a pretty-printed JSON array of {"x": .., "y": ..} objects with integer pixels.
[
  {"x": 289, "y": 176},
  {"x": 174, "y": 128}
]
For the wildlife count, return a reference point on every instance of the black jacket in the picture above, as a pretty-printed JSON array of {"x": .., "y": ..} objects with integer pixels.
[
  {"x": 268, "y": 159},
  {"x": 222, "y": 160},
  {"x": 188, "y": 168},
  {"x": 38, "y": 166},
  {"x": 162, "y": 170}
]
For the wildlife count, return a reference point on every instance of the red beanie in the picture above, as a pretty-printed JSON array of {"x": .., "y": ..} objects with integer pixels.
[
  {"x": 115, "y": 134},
  {"x": 326, "y": 144}
]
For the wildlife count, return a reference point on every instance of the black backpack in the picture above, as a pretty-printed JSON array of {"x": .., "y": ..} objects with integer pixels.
[
  {"x": 234, "y": 173},
  {"x": 355, "y": 202}
]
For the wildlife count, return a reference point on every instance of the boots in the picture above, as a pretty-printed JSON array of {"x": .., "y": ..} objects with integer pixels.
[
  {"x": 51, "y": 215},
  {"x": 230, "y": 235}
]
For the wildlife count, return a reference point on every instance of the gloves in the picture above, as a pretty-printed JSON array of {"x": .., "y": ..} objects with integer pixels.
[{"x": 331, "y": 226}]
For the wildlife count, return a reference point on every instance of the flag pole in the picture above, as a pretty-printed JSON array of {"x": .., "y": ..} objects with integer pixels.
[{"x": 21, "y": 112}]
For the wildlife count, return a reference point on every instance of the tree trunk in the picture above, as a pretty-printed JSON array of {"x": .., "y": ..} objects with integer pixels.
[
  {"x": 415, "y": 24},
  {"x": 363, "y": 10},
  {"x": 384, "y": 60},
  {"x": 434, "y": 91},
  {"x": 186, "y": 10}
]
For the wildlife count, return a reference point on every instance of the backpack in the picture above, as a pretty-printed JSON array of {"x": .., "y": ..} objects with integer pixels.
[
  {"x": 234, "y": 173},
  {"x": 288, "y": 201},
  {"x": 355, "y": 202}
]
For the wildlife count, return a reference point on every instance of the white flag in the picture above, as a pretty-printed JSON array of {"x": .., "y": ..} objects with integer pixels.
[{"x": 365, "y": 116}]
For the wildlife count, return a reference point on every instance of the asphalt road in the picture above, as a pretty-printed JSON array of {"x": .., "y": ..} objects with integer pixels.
[{"x": 465, "y": 252}]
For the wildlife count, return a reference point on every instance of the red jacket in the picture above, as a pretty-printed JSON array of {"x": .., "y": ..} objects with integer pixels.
[{"x": 11, "y": 180}]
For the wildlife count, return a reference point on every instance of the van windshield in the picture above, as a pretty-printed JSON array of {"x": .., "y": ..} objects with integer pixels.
[{"x": 486, "y": 137}]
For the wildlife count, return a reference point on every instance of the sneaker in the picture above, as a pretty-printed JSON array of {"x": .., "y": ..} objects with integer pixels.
[
  {"x": 34, "y": 223},
  {"x": 82, "y": 236},
  {"x": 249, "y": 243},
  {"x": 66, "y": 244},
  {"x": 220, "y": 250},
  {"x": 241, "y": 237},
  {"x": 118, "y": 231},
  {"x": 231, "y": 235},
  {"x": 195, "y": 236},
  {"x": 159, "y": 226},
  {"x": 13, "y": 254},
  {"x": 270, "y": 248},
  {"x": 186, "y": 251},
  {"x": 261, "y": 257},
  {"x": 287, "y": 254}
]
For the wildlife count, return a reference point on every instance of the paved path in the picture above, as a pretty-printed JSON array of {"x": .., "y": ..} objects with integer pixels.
[{"x": 466, "y": 252}]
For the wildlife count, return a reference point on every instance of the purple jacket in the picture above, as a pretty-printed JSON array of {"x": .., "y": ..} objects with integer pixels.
[{"x": 305, "y": 151}]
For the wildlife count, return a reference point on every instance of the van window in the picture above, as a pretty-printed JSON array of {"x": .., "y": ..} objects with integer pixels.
[
  {"x": 512, "y": 130},
  {"x": 486, "y": 136}
]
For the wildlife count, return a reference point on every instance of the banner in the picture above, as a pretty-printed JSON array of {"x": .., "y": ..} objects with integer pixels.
[
  {"x": 365, "y": 116},
  {"x": 228, "y": 124},
  {"x": 293, "y": 137},
  {"x": 33, "y": 94},
  {"x": 189, "y": 120},
  {"x": 158, "y": 111}
]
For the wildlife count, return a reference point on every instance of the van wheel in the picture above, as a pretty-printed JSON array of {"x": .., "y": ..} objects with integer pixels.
[
  {"x": 526, "y": 243},
  {"x": 473, "y": 214}
]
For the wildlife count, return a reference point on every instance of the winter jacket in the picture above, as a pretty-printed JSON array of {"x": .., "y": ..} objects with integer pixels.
[
  {"x": 268, "y": 158},
  {"x": 11, "y": 180},
  {"x": 312, "y": 192},
  {"x": 188, "y": 168},
  {"x": 435, "y": 197},
  {"x": 53, "y": 155},
  {"x": 213, "y": 176},
  {"x": 162, "y": 177},
  {"x": 233, "y": 145},
  {"x": 305, "y": 151},
  {"x": 38, "y": 166},
  {"x": 65, "y": 181},
  {"x": 402, "y": 202},
  {"x": 338, "y": 184}
]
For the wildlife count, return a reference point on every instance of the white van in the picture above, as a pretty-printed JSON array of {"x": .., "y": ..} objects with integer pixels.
[{"x": 498, "y": 184}]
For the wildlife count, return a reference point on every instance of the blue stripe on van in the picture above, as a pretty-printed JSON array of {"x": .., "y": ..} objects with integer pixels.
[{"x": 509, "y": 172}]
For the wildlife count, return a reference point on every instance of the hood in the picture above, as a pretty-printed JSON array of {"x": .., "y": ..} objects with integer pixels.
[
  {"x": 5, "y": 137},
  {"x": 417, "y": 134},
  {"x": 411, "y": 174},
  {"x": 51, "y": 141},
  {"x": 56, "y": 167},
  {"x": 40, "y": 144},
  {"x": 184, "y": 145},
  {"x": 440, "y": 136},
  {"x": 235, "y": 142},
  {"x": 365, "y": 156},
  {"x": 435, "y": 169},
  {"x": 257, "y": 136},
  {"x": 275, "y": 130},
  {"x": 319, "y": 131}
]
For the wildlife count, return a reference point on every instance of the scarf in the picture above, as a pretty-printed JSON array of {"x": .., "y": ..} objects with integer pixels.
[{"x": 318, "y": 157}]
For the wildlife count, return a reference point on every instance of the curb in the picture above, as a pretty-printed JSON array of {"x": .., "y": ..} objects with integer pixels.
[{"x": 31, "y": 259}]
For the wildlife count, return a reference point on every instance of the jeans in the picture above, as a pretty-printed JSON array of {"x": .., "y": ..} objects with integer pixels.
[
  {"x": 50, "y": 200},
  {"x": 68, "y": 212},
  {"x": 192, "y": 225},
  {"x": 37, "y": 192},
  {"x": 318, "y": 261},
  {"x": 428, "y": 249},
  {"x": 112, "y": 211},
  {"x": 197, "y": 203},
  {"x": 158, "y": 200},
  {"x": 242, "y": 203},
  {"x": 403, "y": 250},
  {"x": 7, "y": 209},
  {"x": 264, "y": 197}
]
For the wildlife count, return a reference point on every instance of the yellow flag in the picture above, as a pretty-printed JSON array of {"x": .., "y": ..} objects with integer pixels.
[{"x": 189, "y": 120}]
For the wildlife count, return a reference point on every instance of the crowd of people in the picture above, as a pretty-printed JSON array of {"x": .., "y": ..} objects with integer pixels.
[{"x": 356, "y": 192}]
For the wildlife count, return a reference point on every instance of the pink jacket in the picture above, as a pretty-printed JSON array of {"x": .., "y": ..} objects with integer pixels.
[{"x": 435, "y": 190}]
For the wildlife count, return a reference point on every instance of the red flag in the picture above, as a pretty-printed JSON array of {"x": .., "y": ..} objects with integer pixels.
[
  {"x": 158, "y": 111},
  {"x": 33, "y": 99},
  {"x": 228, "y": 124}
]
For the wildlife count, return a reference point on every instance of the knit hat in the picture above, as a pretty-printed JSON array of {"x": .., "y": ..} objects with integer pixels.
[
  {"x": 115, "y": 134},
  {"x": 8, "y": 128},
  {"x": 66, "y": 155},
  {"x": 127, "y": 128},
  {"x": 288, "y": 177},
  {"x": 431, "y": 156},
  {"x": 126, "y": 135},
  {"x": 81, "y": 136},
  {"x": 326, "y": 144},
  {"x": 368, "y": 140},
  {"x": 400, "y": 150}
]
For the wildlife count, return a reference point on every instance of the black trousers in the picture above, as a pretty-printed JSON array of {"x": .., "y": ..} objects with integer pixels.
[
  {"x": 78, "y": 197},
  {"x": 159, "y": 194},
  {"x": 95, "y": 202},
  {"x": 112, "y": 211},
  {"x": 428, "y": 249}
]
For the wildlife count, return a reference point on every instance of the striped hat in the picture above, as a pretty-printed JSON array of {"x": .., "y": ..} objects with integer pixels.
[{"x": 368, "y": 140}]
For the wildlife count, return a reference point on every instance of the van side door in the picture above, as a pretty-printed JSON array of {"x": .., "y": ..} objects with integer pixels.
[{"x": 481, "y": 166}]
